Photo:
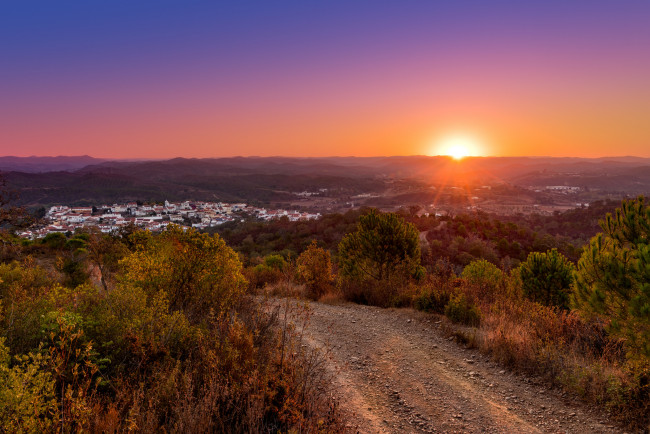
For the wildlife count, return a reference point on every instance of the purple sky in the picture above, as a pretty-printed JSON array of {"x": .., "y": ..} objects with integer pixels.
[{"x": 127, "y": 79}]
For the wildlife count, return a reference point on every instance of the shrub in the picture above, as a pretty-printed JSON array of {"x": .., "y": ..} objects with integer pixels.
[
  {"x": 74, "y": 270},
  {"x": 261, "y": 276},
  {"x": 54, "y": 240},
  {"x": 404, "y": 296},
  {"x": 27, "y": 393},
  {"x": 198, "y": 272},
  {"x": 433, "y": 296},
  {"x": 365, "y": 292},
  {"x": 23, "y": 291},
  {"x": 461, "y": 310},
  {"x": 314, "y": 269},
  {"x": 482, "y": 272},
  {"x": 275, "y": 262},
  {"x": 485, "y": 275},
  {"x": 383, "y": 246},
  {"x": 74, "y": 372},
  {"x": 272, "y": 270}
]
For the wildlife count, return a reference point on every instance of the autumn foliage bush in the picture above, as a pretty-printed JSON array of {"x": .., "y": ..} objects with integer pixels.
[
  {"x": 314, "y": 269},
  {"x": 173, "y": 343},
  {"x": 273, "y": 270}
]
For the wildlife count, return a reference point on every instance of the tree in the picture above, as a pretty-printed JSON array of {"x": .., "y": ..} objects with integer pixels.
[
  {"x": 613, "y": 278},
  {"x": 315, "y": 270},
  {"x": 382, "y": 247},
  {"x": 546, "y": 278}
]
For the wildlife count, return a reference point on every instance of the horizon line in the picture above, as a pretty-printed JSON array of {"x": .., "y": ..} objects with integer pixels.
[{"x": 320, "y": 157}]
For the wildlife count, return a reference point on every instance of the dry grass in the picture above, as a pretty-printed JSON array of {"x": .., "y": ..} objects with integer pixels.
[
  {"x": 262, "y": 378},
  {"x": 561, "y": 348},
  {"x": 332, "y": 298},
  {"x": 285, "y": 288}
]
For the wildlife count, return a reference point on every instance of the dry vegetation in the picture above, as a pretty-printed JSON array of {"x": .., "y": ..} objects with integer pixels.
[
  {"x": 151, "y": 332},
  {"x": 558, "y": 346},
  {"x": 529, "y": 319},
  {"x": 173, "y": 343}
]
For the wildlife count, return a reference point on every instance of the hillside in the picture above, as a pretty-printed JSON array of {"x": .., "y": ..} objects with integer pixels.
[{"x": 392, "y": 181}]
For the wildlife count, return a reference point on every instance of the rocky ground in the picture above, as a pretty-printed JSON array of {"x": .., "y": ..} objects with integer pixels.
[{"x": 396, "y": 371}]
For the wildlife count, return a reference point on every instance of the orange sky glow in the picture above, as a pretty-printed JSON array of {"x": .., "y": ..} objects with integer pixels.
[{"x": 203, "y": 81}]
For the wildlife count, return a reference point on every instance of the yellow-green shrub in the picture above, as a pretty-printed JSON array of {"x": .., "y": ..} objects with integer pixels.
[
  {"x": 198, "y": 272},
  {"x": 484, "y": 275},
  {"x": 27, "y": 397}
]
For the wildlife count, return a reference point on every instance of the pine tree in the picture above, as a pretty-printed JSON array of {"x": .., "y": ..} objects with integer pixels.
[
  {"x": 613, "y": 278},
  {"x": 547, "y": 277},
  {"x": 383, "y": 246}
]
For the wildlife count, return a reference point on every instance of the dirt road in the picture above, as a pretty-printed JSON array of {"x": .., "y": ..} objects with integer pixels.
[{"x": 396, "y": 372}]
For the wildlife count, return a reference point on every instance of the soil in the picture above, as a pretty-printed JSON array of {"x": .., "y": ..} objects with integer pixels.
[{"x": 396, "y": 371}]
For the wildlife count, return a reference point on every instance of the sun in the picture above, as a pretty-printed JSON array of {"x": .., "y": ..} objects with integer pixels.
[
  {"x": 457, "y": 152},
  {"x": 458, "y": 147}
]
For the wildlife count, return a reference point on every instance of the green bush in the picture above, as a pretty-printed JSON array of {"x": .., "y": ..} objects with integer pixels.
[
  {"x": 275, "y": 262},
  {"x": 383, "y": 246},
  {"x": 23, "y": 300},
  {"x": 482, "y": 272},
  {"x": 484, "y": 275},
  {"x": 433, "y": 297},
  {"x": 461, "y": 310},
  {"x": 74, "y": 270},
  {"x": 54, "y": 240},
  {"x": 271, "y": 271}
]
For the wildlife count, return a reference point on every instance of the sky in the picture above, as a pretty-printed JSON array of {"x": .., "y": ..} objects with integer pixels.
[{"x": 162, "y": 79}]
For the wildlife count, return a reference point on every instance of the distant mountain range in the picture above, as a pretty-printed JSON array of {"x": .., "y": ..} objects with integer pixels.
[
  {"x": 46, "y": 164},
  {"x": 72, "y": 180}
]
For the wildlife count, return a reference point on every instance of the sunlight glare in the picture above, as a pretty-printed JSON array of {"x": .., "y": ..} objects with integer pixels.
[{"x": 458, "y": 147}]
